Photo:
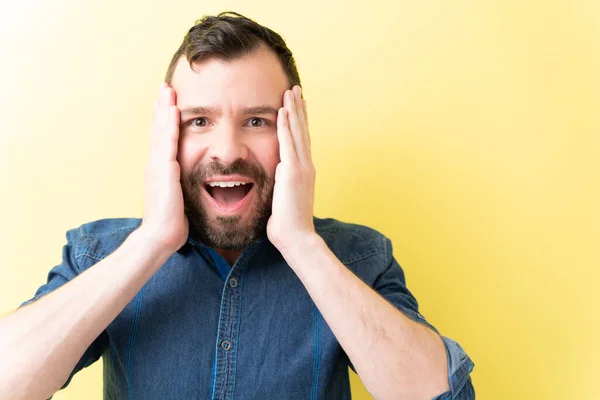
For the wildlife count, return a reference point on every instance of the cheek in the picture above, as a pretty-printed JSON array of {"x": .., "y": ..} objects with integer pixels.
[
  {"x": 189, "y": 153},
  {"x": 267, "y": 154}
]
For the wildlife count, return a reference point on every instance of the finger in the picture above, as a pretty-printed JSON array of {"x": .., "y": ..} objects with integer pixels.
[
  {"x": 287, "y": 152},
  {"x": 161, "y": 121},
  {"x": 305, "y": 113},
  {"x": 297, "y": 91},
  {"x": 294, "y": 126},
  {"x": 166, "y": 100},
  {"x": 166, "y": 137},
  {"x": 300, "y": 107},
  {"x": 172, "y": 133}
]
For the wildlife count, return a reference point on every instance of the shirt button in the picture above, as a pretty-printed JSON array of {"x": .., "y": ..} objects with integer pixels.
[
  {"x": 233, "y": 282},
  {"x": 226, "y": 345}
]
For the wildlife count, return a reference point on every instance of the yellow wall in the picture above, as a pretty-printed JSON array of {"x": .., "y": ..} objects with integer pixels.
[{"x": 467, "y": 131}]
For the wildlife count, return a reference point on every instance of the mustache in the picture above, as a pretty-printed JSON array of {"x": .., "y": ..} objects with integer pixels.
[{"x": 238, "y": 167}]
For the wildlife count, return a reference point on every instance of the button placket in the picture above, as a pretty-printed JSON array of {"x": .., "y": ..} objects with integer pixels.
[
  {"x": 229, "y": 319},
  {"x": 228, "y": 328}
]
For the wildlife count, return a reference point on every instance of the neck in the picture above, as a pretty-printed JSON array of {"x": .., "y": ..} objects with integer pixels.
[{"x": 229, "y": 255}]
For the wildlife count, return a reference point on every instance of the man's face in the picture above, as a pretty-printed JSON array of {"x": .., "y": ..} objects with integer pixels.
[{"x": 228, "y": 146}]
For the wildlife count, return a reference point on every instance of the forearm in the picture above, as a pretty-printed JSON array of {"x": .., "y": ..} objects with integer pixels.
[
  {"x": 42, "y": 342},
  {"x": 394, "y": 356}
]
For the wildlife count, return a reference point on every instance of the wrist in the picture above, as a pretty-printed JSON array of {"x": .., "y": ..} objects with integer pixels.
[
  {"x": 296, "y": 247},
  {"x": 150, "y": 241}
]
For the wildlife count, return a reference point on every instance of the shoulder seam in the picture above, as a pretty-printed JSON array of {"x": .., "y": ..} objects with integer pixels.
[
  {"x": 80, "y": 250},
  {"x": 92, "y": 256},
  {"x": 362, "y": 257},
  {"x": 110, "y": 232},
  {"x": 385, "y": 248},
  {"x": 367, "y": 233},
  {"x": 75, "y": 250}
]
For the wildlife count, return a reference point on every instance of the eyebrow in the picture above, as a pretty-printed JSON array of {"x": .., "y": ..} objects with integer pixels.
[{"x": 205, "y": 110}]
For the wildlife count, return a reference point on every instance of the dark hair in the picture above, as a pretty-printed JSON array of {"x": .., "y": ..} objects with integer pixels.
[{"x": 230, "y": 35}]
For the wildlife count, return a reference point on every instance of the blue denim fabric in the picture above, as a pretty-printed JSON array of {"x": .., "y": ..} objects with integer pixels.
[{"x": 200, "y": 329}]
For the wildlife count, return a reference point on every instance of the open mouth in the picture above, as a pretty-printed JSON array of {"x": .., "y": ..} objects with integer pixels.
[{"x": 228, "y": 196}]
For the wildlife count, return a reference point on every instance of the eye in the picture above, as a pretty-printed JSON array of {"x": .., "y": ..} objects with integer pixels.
[
  {"x": 199, "y": 122},
  {"x": 258, "y": 122}
]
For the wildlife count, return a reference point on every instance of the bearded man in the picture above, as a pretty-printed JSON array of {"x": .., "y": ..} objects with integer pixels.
[{"x": 229, "y": 287}]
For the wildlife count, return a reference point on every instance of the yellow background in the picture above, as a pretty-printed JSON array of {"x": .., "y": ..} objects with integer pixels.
[{"x": 466, "y": 131}]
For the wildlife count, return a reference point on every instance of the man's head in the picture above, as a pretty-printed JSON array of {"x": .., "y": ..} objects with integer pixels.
[{"x": 229, "y": 75}]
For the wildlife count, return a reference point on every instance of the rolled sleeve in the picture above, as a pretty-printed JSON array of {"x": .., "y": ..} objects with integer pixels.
[
  {"x": 459, "y": 373},
  {"x": 391, "y": 285}
]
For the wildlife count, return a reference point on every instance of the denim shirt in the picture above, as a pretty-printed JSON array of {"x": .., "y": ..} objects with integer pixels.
[{"x": 201, "y": 329}]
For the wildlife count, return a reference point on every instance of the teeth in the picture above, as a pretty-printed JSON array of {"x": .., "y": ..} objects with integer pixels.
[{"x": 226, "y": 184}]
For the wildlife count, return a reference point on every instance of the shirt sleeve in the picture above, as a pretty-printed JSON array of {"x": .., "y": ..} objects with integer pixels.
[
  {"x": 58, "y": 276},
  {"x": 391, "y": 285}
]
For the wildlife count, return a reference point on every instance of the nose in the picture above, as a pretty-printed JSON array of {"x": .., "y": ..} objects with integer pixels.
[{"x": 227, "y": 145}]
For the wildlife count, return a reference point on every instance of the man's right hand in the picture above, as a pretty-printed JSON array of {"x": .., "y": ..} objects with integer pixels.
[
  {"x": 164, "y": 219},
  {"x": 40, "y": 353}
]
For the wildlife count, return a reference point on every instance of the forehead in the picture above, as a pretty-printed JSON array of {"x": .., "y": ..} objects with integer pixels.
[{"x": 253, "y": 79}]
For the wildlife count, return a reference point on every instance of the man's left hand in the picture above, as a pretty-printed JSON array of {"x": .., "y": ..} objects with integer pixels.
[{"x": 293, "y": 197}]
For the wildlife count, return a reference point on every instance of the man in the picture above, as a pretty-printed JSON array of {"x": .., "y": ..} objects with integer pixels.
[{"x": 229, "y": 287}]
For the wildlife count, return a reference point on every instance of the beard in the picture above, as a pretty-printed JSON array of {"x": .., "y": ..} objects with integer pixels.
[{"x": 229, "y": 232}]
